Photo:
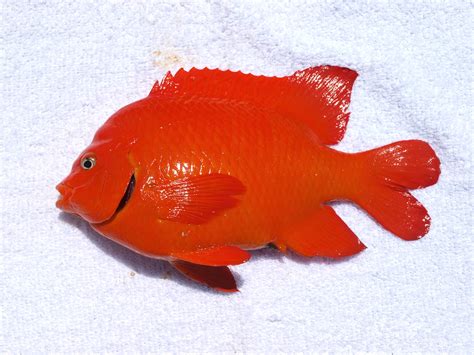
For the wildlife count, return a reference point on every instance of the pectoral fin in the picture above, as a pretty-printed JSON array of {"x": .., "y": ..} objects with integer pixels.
[
  {"x": 195, "y": 199},
  {"x": 217, "y": 277}
]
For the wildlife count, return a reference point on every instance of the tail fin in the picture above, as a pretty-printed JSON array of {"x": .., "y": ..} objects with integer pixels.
[{"x": 389, "y": 172}]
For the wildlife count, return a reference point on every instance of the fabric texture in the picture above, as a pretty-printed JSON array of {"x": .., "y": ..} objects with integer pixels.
[{"x": 68, "y": 65}]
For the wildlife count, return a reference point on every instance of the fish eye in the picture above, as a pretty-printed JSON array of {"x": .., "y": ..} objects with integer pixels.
[{"x": 87, "y": 163}]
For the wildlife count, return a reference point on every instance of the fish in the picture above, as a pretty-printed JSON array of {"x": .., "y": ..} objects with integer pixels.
[{"x": 215, "y": 163}]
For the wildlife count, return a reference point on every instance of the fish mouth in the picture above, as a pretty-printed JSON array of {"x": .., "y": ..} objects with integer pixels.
[
  {"x": 126, "y": 196},
  {"x": 64, "y": 193}
]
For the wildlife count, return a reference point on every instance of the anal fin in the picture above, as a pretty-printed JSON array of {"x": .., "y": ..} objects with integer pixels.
[
  {"x": 217, "y": 277},
  {"x": 323, "y": 233}
]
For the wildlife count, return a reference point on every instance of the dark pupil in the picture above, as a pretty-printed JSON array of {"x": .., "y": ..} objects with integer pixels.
[{"x": 87, "y": 164}]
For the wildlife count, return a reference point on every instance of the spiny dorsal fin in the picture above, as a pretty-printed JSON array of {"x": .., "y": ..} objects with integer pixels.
[{"x": 317, "y": 97}]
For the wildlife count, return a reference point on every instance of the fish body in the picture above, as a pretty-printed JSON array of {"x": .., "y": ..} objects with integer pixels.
[{"x": 214, "y": 163}]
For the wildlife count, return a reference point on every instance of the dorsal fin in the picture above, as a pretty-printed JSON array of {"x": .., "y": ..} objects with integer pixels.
[{"x": 317, "y": 97}]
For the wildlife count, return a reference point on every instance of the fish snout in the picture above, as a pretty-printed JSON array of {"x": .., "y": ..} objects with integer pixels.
[{"x": 64, "y": 194}]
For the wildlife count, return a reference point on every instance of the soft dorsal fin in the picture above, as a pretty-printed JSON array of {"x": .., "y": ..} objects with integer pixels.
[{"x": 317, "y": 97}]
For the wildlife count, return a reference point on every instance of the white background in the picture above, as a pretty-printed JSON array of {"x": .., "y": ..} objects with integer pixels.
[{"x": 68, "y": 65}]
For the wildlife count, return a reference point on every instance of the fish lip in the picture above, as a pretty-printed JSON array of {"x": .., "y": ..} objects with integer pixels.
[
  {"x": 60, "y": 202},
  {"x": 65, "y": 192}
]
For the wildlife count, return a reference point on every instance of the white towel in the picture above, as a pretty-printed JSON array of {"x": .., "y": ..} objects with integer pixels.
[{"x": 68, "y": 65}]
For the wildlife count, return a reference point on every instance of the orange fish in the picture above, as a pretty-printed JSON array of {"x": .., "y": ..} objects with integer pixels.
[{"x": 213, "y": 163}]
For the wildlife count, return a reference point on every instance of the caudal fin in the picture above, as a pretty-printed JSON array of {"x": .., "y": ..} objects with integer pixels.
[{"x": 390, "y": 171}]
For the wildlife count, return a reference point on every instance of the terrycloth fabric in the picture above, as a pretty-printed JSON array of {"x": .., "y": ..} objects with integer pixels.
[{"x": 68, "y": 65}]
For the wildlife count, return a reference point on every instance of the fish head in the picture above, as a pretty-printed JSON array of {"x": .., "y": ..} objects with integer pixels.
[{"x": 100, "y": 182}]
